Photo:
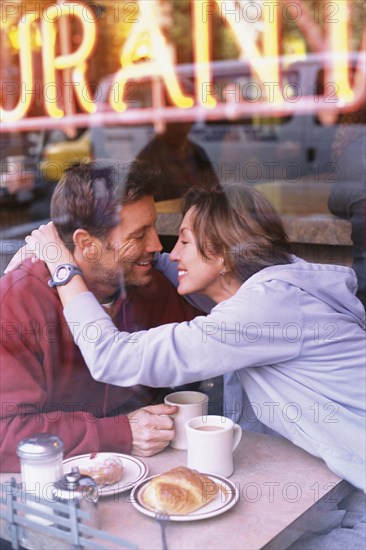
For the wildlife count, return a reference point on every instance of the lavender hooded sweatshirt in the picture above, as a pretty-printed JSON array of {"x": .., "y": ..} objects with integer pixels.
[{"x": 292, "y": 335}]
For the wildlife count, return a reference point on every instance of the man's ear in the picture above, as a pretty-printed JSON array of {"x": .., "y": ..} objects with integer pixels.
[{"x": 86, "y": 246}]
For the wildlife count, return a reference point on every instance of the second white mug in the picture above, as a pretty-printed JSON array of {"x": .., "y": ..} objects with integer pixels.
[{"x": 211, "y": 442}]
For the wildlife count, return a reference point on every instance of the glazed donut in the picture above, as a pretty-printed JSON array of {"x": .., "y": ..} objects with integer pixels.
[{"x": 104, "y": 471}]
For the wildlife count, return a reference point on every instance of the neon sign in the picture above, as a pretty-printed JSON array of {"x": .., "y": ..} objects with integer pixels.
[{"x": 159, "y": 62}]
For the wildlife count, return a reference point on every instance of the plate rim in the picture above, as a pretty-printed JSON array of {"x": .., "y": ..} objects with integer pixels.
[
  {"x": 187, "y": 517},
  {"x": 115, "y": 488}
]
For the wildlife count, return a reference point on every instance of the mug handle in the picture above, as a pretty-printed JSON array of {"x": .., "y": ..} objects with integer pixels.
[{"x": 238, "y": 432}]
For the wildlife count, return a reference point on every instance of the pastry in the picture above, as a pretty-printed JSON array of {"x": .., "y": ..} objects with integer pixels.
[
  {"x": 179, "y": 491},
  {"x": 104, "y": 471}
]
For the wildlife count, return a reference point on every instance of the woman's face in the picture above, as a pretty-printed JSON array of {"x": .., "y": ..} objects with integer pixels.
[{"x": 195, "y": 273}]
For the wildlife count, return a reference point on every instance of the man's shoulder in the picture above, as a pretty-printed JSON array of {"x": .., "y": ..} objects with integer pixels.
[
  {"x": 159, "y": 287},
  {"x": 160, "y": 283},
  {"x": 25, "y": 279},
  {"x": 164, "y": 292}
]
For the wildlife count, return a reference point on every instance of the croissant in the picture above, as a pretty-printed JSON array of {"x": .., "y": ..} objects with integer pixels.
[{"x": 179, "y": 491}]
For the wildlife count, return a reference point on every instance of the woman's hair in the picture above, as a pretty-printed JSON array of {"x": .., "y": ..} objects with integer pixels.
[{"x": 237, "y": 223}]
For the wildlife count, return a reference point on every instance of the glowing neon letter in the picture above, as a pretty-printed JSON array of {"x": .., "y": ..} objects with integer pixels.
[
  {"x": 335, "y": 42},
  {"x": 26, "y": 72},
  {"x": 148, "y": 34},
  {"x": 75, "y": 60},
  {"x": 202, "y": 42},
  {"x": 337, "y": 37},
  {"x": 264, "y": 63}
]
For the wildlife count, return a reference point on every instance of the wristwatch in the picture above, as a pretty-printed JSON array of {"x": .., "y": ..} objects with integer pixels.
[{"x": 63, "y": 274}]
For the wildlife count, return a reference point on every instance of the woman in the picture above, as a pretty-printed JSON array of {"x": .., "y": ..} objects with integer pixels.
[{"x": 289, "y": 332}]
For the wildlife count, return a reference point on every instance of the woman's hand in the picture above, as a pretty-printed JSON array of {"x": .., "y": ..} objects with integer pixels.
[{"x": 43, "y": 244}]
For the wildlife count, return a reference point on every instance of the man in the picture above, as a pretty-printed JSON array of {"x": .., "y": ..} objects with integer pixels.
[{"x": 45, "y": 384}]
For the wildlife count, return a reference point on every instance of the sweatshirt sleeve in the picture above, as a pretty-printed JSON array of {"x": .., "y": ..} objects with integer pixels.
[
  {"x": 230, "y": 338},
  {"x": 79, "y": 431},
  {"x": 26, "y": 410}
]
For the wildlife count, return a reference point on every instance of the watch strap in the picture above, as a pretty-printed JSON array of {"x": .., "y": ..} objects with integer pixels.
[{"x": 70, "y": 271}]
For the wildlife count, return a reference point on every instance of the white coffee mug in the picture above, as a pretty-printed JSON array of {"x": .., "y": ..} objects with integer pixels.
[
  {"x": 211, "y": 442},
  {"x": 190, "y": 404}
]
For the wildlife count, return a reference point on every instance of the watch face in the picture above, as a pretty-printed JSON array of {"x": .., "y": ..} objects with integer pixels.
[{"x": 62, "y": 272}]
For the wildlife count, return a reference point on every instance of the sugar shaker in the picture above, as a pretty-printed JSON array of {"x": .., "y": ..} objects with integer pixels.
[{"x": 41, "y": 464}]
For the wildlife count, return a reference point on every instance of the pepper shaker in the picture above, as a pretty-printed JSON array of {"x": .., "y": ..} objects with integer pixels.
[{"x": 83, "y": 489}]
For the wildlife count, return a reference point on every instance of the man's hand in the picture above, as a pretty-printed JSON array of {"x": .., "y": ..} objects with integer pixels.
[{"x": 151, "y": 429}]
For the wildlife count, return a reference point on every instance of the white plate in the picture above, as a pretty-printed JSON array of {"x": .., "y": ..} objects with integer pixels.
[
  {"x": 134, "y": 470},
  {"x": 225, "y": 499}
]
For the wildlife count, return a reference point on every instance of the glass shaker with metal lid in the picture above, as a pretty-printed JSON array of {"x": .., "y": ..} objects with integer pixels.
[
  {"x": 82, "y": 488},
  {"x": 41, "y": 464}
]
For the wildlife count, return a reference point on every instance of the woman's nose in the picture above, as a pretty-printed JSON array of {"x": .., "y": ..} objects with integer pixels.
[{"x": 174, "y": 255}]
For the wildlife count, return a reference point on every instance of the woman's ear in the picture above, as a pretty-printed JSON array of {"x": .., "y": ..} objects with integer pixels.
[{"x": 223, "y": 269}]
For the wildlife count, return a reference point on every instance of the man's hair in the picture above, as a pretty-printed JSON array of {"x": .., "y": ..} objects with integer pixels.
[
  {"x": 90, "y": 195},
  {"x": 240, "y": 225}
]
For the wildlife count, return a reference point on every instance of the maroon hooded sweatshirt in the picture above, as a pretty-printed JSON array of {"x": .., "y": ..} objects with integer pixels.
[{"x": 45, "y": 384}]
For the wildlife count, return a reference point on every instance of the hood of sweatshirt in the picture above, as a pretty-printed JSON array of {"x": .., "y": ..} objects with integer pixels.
[{"x": 334, "y": 285}]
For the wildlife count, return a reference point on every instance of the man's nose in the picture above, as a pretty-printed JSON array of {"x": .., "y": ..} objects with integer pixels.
[{"x": 153, "y": 244}]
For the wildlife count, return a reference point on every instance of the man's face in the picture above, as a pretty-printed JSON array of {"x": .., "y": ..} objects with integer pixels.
[{"x": 127, "y": 253}]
